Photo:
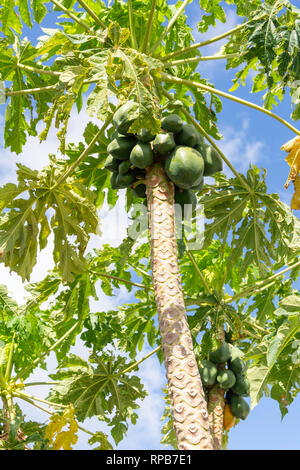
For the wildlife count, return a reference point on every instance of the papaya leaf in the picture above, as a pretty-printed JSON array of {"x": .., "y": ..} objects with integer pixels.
[
  {"x": 269, "y": 43},
  {"x": 101, "y": 439},
  {"x": 98, "y": 391},
  {"x": 270, "y": 360},
  {"x": 24, "y": 218},
  {"x": 258, "y": 222}
]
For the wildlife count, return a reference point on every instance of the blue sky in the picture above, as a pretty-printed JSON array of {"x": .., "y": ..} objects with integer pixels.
[{"x": 249, "y": 137}]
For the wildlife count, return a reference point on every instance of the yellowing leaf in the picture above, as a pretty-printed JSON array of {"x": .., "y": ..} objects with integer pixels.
[
  {"x": 295, "y": 202},
  {"x": 55, "y": 434},
  {"x": 293, "y": 158}
]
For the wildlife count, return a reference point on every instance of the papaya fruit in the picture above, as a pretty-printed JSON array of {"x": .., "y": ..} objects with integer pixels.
[
  {"x": 184, "y": 166},
  {"x": 124, "y": 167},
  {"x": 241, "y": 386},
  {"x": 220, "y": 355},
  {"x": 112, "y": 164},
  {"x": 139, "y": 191},
  {"x": 125, "y": 116},
  {"x": 239, "y": 407},
  {"x": 141, "y": 155},
  {"x": 120, "y": 147},
  {"x": 237, "y": 365},
  {"x": 188, "y": 136},
  {"x": 199, "y": 185},
  {"x": 114, "y": 134},
  {"x": 185, "y": 197},
  {"x": 200, "y": 139},
  {"x": 172, "y": 123},
  {"x": 164, "y": 143},
  {"x": 113, "y": 181},
  {"x": 208, "y": 373},
  {"x": 226, "y": 379},
  {"x": 145, "y": 136},
  {"x": 124, "y": 181},
  {"x": 228, "y": 418},
  {"x": 212, "y": 160}
]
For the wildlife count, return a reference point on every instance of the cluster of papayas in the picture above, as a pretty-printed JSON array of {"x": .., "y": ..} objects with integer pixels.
[
  {"x": 227, "y": 370},
  {"x": 179, "y": 146}
]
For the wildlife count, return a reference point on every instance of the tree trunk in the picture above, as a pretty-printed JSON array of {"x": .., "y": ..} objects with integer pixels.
[
  {"x": 216, "y": 404},
  {"x": 189, "y": 407}
]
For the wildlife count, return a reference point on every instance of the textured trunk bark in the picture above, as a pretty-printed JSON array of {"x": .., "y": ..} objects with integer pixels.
[
  {"x": 216, "y": 404},
  {"x": 189, "y": 407}
]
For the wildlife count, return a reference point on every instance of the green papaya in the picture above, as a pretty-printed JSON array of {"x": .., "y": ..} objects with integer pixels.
[
  {"x": 188, "y": 136},
  {"x": 237, "y": 365},
  {"x": 164, "y": 143},
  {"x": 184, "y": 166},
  {"x": 113, "y": 181},
  {"x": 145, "y": 136},
  {"x": 185, "y": 197},
  {"x": 220, "y": 355},
  {"x": 124, "y": 167},
  {"x": 172, "y": 123},
  {"x": 112, "y": 164},
  {"x": 120, "y": 147},
  {"x": 199, "y": 185},
  {"x": 114, "y": 134},
  {"x": 141, "y": 155},
  {"x": 208, "y": 373},
  {"x": 125, "y": 116},
  {"x": 239, "y": 407},
  {"x": 226, "y": 379},
  {"x": 200, "y": 139},
  {"x": 139, "y": 191},
  {"x": 124, "y": 181},
  {"x": 241, "y": 386},
  {"x": 212, "y": 160}
]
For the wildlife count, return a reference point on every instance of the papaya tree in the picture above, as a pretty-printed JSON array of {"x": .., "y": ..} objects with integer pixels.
[{"x": 134, "y": 68}]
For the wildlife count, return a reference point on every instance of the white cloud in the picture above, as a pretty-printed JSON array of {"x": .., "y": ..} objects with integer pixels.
[{"x": 241, "y": 150}]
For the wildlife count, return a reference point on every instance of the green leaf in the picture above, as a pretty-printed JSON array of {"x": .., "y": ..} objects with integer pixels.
[
  {"x": 98, "y": 391},
  {"x": 25, "y": 218},
  {"x": 263, "y": 229}
]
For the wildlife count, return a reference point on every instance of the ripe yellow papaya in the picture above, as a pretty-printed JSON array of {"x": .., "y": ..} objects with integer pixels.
[{"x": 228, "y": 418}]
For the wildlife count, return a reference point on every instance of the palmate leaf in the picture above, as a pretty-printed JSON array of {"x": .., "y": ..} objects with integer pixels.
[
  {"x": 262, "y": 228},
  {"x": 24, "y": 224},
  {"x": 22, "y": 113},
  {"x": 273, "y": 364},
  {"x": 99, "y": 391},
  {"x": 269, "y": 44},
  {"x": 138, "y": 83},
  {"x": 25, "y": 329}
]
